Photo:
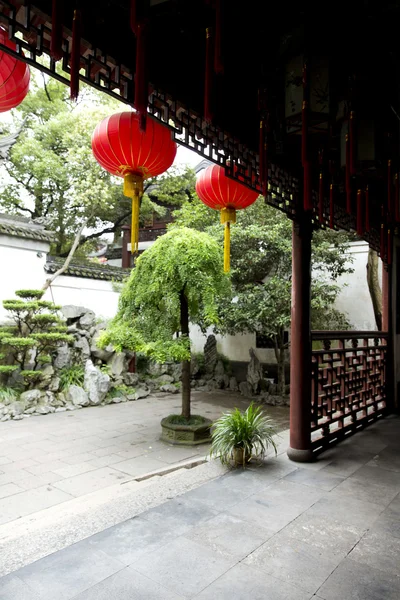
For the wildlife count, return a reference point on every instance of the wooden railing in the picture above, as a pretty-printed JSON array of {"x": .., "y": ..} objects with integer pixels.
[{"x": 348, "y": 383}]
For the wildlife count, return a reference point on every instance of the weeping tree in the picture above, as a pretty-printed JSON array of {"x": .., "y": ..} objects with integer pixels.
[{"x": 179, "y": 280}]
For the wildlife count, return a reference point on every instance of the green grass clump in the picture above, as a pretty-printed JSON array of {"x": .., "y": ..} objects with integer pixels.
[{"x": 73, "y": 375}]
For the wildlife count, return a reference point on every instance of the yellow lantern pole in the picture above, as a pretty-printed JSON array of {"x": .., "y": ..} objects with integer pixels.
[
  {"x": 133, "y": 188},
  {"x": 228, "y": 217}
]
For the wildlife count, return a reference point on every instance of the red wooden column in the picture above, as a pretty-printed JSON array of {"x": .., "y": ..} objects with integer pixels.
[
  {"x": 385, "y": 297},
  {"x": 300, "y": 344}
]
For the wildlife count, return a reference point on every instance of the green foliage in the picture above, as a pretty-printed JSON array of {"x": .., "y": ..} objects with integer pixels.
[
  {"x": 8, "y": 395},
  {"x": 38, "y": 330},
  {"x": 50, "y": 338},
  {"x": 180, "y": 420},
  {"x": 121, "y": 390},
  {"x": 250, "y": 431},
  {"x": 106, "y": 369},
  {"x": 29, "y": 294},
  {"x": 73, "y": 375},
  {"x": 182, "y": 262},
  {"x": 8, "y": 369}
]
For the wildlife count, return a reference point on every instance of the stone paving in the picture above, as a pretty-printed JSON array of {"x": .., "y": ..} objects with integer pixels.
[
  {"x": 48, "y": 460},
  {"x": 277, "y": 531}
]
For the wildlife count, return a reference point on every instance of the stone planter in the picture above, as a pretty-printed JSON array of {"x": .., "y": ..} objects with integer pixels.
[{"x": 186, "y": 435}]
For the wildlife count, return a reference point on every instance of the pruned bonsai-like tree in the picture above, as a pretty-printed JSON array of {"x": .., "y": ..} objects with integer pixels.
[
  {"x": 178, "y": 280},
  {"x": 34, "y": 333}
]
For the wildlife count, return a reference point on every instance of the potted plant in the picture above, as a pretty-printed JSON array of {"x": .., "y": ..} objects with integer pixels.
[{"x": 238, "y": 436}]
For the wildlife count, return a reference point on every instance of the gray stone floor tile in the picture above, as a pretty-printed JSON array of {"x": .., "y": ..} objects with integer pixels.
[
  {"x": 325, "y": 534},
  {"x": 354, "y": 581},
  {"x": 367, "y": 491},
  {"x": 350, "y": 511},
  {"x": 221, "y": 493},
  {"x": 393, "y": 510},
  {"x": 128, "y": 541},
  {"x": 64, "y": 574},
  {"x": 293, "y": 561},
  {"x": 9, "y": 489},
  {"x": 388, "y": 459},
  {"x": 277, "y": 505},
  {"x": 245, "y": 583},
  {"x": 127, "y": 585},
  {"x": 91, "y": 481},
  {"x": 179, "y": 514},
  {"x": 319, "y": 479},
  {"x": 30, "y": 501},
  {"x": 183, "y": 567},
  {"x": 378, "y": 477},
  {"x": 13, "y": 588},
  {"x": 378, "y": 549},
  {"x": 229, "y": 536},
  {"x": 140, "y": 465},
  {"x": 343, "y": 466}
]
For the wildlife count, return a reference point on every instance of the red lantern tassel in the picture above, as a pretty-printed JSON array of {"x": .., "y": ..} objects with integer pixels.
[
  {"x": 218, "y": 60},
  {"x": 56, "y": 30},
  {"x": 389, "y": 190},
  {"x": 331, "y": 207},
  {"x": 396, "y": 198},
  {"x": 367, "y": 223},
  {"x": 348, "y": 180},
  {"x": 208, "y": 77},
  {"x": 360, "y": 230},
  {"x": 352, "y": 140},
  {"x": 133, "y": 18},
  {"x": 389, "y": 247},
  {"x": 75, "y": 55},
  {"x": 321, "y": 198},
  {"x": 141, "y": 84}
]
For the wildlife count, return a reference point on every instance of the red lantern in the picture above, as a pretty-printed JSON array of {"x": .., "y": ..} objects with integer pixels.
[
  {"x": 124, "y": 150},
  {"x": 220, "y": 192},
  {"x": 14, "y": 76}
]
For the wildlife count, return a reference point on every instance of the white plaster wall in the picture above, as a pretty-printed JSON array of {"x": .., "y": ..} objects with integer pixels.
[
  {"x": 354, "y": 298},
  {"x": 21, "y": 266},
  {"x": 235, "y": 348},
  {"x": 95, "y": 294}
]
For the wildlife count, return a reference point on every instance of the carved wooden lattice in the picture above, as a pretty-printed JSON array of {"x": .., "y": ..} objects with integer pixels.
[{"x": 348, "y": 383}]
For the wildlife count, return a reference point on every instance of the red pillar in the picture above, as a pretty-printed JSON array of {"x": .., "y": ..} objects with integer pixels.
[
  {"x": 300, "y": 344},
  {"x": 126, "y": 255},
  {"x": 385, "y": 298}
]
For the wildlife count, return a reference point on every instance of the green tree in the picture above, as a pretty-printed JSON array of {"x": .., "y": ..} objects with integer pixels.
[
  {"x": 35, "y": 332},
  {"x": 261, "y": 262},
  {"x": 53, "y": 176},
  {"x": 176, "y": 281}
]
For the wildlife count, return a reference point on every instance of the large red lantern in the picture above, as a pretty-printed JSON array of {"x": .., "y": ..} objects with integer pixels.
[
  {"x": 14, "y": 76},
  {"x": 124, "y": 150},
  {"x": 227, "y": 195}
]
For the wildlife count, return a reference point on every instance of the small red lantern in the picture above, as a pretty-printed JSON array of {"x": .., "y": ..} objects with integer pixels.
[
  {"x": 220, "y": 192},
  {"x": 14, "y": 76},
  {"x": 124, "y": 150}
]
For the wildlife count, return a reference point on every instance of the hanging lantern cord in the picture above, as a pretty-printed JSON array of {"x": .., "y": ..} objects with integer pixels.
[
  {"x": 228, "y": 217},
  {"x": 133, "y": 188}
]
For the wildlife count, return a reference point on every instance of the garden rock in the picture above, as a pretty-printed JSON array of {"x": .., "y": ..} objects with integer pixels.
[
  {"x": 156, "y": 369},
  {"x": 5, "y": 418},
  {"x": 31, "y": 410},
  {"x": 233, "y": 384},
  {"x": 87, "y": 320},
  {"x": 16, "y": 408},
  {"x": 130, "y": 379},
  {"x": 117, "y": 364},
  {"x": 61, "y": 409},
  {"x": 210, "y": 356},
  {"x": 54, "y": 384},
  {"x": 245, "y": 389},
  {"x": 63, "y": 358},
  {"x": 72, "y": 312},
  {"x": 194, "y": 366},
  {"x": 30, "y": 397},
  {"x": 103, "y": 354},
  {"x": 77, "y": 396},
  {"x": 254, "y": 372},
  {"x": 169, "y": 388},
  {"x": 164, "y": 380},
  {"x": 219, "y": 369},
  {"x": 141, "y": 393},
  {"x": 96, "y": 383},
  {"x": 82, "y": 345},
  {"x": 43, "y": 410}
]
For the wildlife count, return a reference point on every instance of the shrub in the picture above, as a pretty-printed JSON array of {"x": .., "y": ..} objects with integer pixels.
[
  {"x": 73, "y": 375},
  {"x": 8, "y": 395},
  {"x": 36, "y": 332}
]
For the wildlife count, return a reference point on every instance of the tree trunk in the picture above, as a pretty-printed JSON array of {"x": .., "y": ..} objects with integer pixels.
[
  {"x": 374, "y": 286},
  {"x": 185, "y": 363},
  {"x": 70, "y": 256}
]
